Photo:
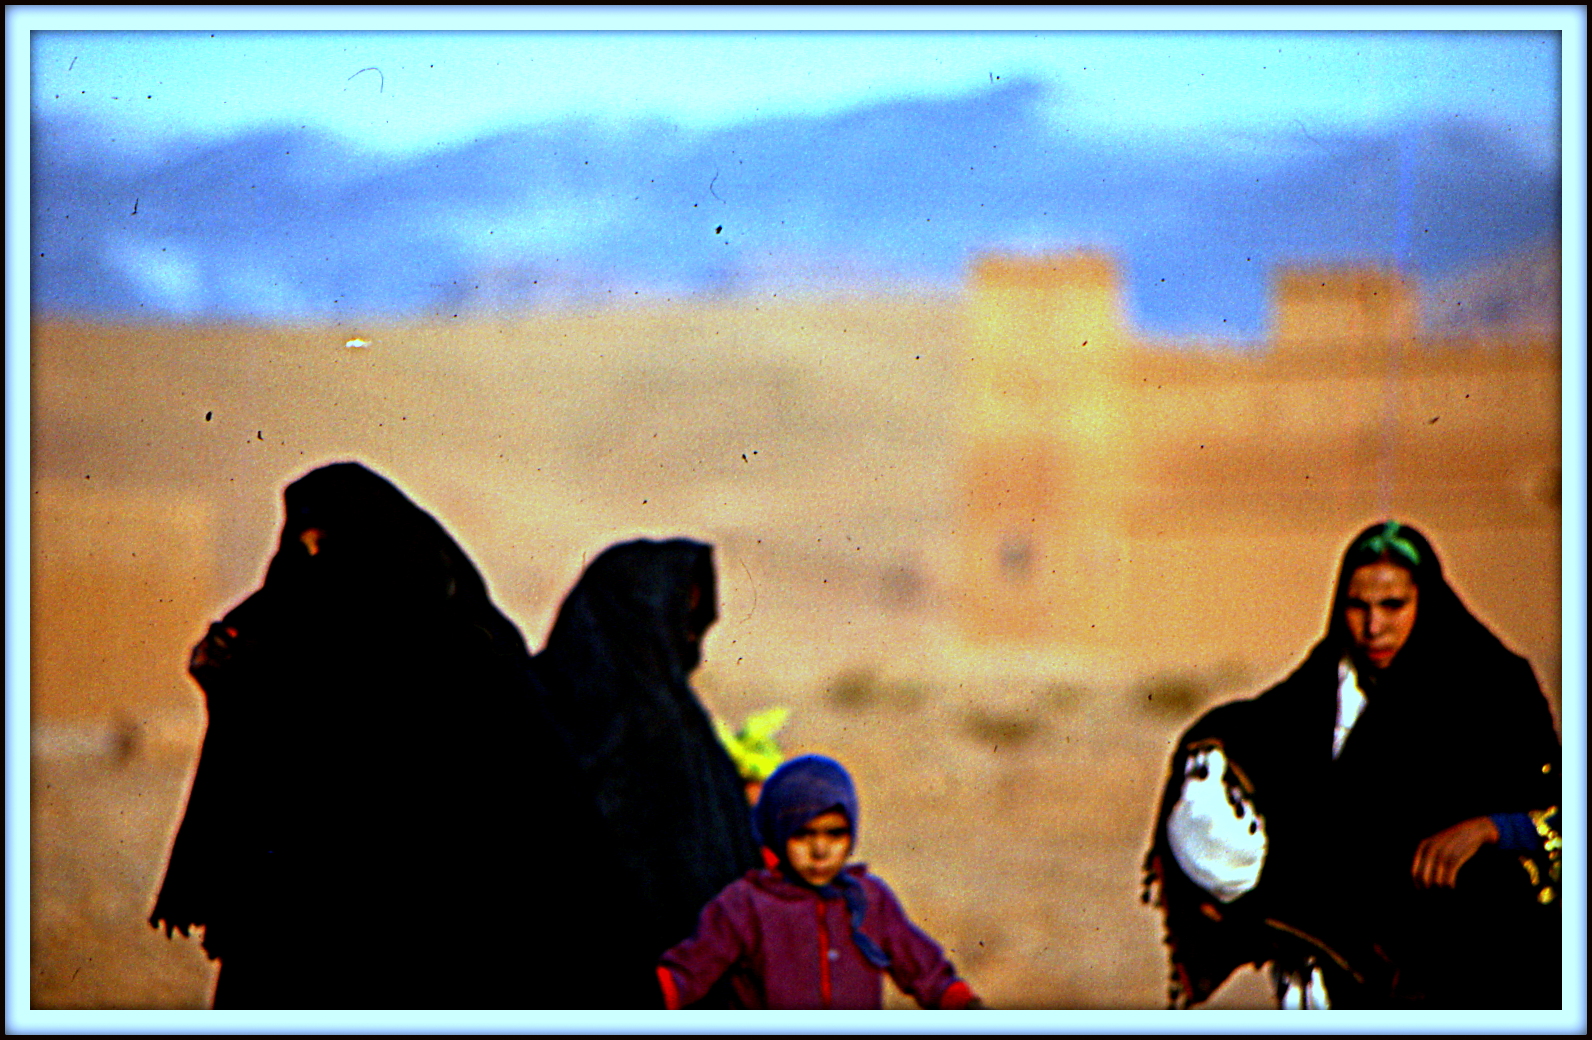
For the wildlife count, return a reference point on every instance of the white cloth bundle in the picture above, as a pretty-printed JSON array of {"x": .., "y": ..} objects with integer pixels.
[{"x": 1216, "y": 835}]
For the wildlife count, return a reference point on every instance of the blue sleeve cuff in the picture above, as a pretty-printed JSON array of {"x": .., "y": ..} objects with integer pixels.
[{"x": 1516, "y": 832}]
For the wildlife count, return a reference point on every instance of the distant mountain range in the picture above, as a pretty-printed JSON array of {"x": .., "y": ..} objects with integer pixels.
[
  {"x": 1518, "y": 294},
  {"x": 291, "y": 223}
]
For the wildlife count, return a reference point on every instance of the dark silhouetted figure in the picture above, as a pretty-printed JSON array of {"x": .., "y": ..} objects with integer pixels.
[
  {"x": 616, "y": 675},
  {"x": 1381, "y": 826},
  {"x": 383, "y": 815}
]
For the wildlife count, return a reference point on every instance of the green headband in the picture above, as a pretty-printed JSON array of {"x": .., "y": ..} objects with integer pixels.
[{"x": 1389, "y": 540}]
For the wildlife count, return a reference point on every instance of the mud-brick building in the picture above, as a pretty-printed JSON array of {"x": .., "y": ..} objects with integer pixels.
[{"x": 1132, "y": 497}]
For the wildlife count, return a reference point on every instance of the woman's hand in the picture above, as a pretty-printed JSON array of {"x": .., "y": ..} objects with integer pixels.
[{"x": 1438, "y": 859}]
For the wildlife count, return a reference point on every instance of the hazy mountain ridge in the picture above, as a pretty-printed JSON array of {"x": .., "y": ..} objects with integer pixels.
[{"x": 290, "y": 223}]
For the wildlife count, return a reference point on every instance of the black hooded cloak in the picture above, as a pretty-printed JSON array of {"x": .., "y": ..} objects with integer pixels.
[
  {"x": 1454, "y": 728},
  {"x": 616, "y": 677},
  {"x": 377, "y": 777}
]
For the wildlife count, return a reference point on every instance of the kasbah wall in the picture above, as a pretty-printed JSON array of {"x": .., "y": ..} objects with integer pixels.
[{"x": 1133, "y": 496}]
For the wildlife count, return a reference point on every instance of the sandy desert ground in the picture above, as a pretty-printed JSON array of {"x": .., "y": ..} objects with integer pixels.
[{"x": 1007, "y": 789}]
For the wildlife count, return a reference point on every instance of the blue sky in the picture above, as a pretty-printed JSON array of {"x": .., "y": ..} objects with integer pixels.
[
  {"x": 428, "y": 88},
  {"x": 1203, "y": 150}
]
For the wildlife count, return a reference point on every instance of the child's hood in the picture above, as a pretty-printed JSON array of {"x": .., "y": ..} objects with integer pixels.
[{"x": 800, "y": 790}]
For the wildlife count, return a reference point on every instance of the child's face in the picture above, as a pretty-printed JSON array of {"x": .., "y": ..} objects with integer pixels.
[{"x": 818, "y": 850}]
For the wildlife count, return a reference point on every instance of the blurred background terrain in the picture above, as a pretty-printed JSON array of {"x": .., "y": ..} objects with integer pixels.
[
  {"x": 1021, "y": 439},
  {"x": 1001, "y": 650}
]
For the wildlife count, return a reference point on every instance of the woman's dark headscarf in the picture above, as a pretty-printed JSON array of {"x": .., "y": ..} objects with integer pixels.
[
  {"x": 372, "y": 747},
  {"x": 378, "y": 547},
  {"x": 616, "y": 674},
  {"x": 1443, "y": 624}
]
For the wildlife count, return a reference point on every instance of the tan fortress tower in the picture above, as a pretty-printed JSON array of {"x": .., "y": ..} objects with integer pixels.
[
  {"x": 1343, "y": 309},
  {"x": 1040, "y": 519}
]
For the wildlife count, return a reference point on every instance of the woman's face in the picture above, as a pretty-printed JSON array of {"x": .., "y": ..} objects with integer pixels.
[{"x": 1379, "y": 609}]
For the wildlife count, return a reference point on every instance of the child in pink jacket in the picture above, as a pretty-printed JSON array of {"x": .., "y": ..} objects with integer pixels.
[{"x": 809, "y": 931}]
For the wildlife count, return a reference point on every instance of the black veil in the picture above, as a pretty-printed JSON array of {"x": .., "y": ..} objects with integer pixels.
[
  {"x": 616, "y": 677},
  {"x": 378, "y": 779}
]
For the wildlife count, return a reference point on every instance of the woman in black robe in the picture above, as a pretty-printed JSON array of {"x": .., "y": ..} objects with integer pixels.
[
  {"x": 1384, "y": 821},
  {"x": 370, "y": 818},
  {"x": 616, "y": 677}
]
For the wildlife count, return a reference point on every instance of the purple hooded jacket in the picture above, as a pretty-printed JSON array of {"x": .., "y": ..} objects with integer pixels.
[{"x": 786, "y": 945}]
